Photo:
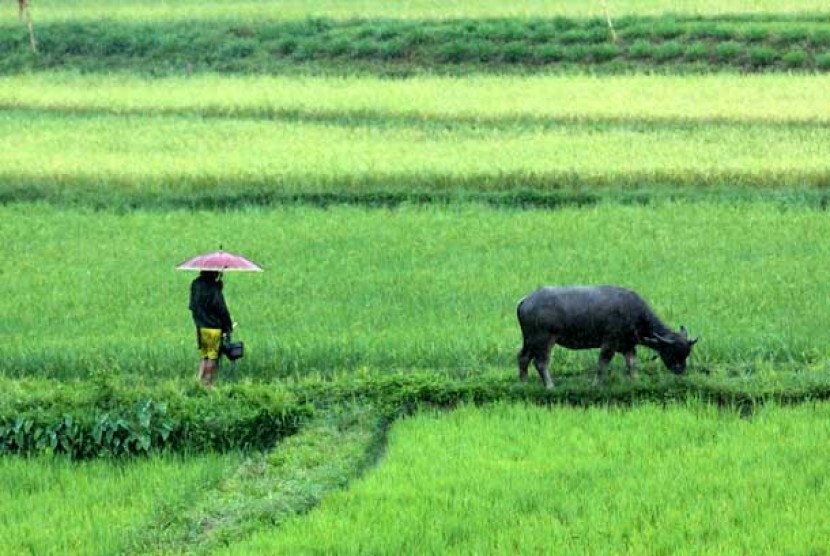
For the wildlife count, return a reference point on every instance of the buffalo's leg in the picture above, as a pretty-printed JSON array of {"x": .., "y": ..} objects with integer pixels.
[
  {"x": 630, "y": 363},
  {"x": 525, "y": 355},
  {"x": 541, "y": 360},
  {"x": 605, "y": 356}
]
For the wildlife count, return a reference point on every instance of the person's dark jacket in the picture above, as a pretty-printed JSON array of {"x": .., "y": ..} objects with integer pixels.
[{"x": 207, "y": 303}]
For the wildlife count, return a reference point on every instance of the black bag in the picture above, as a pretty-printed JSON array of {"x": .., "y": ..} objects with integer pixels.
[{"x": 232, "y": 350}]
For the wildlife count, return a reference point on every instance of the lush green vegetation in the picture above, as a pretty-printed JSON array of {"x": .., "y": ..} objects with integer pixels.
[
  {"x": 514, "y": 479},
  {"x": 409, "y": 46},
  {"x": 392, "y": 166},
  {"x": 347, "y": 288},
  {"x": 55, "y": 506},
  {"x": 268, "y": 489},
  {"x": 104, "y": 417}
]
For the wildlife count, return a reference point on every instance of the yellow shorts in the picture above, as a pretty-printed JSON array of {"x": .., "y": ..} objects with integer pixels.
[{"x": 210, "y": 339}]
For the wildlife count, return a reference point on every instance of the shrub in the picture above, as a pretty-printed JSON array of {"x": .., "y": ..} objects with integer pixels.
[
  {"x": 667, "y": 29},
  {"x": 638, "y": 31},
  {"x": 239, "y": 48},
  {"x": 761, "y": 56},
  {"x": 483, "y": 50},
  {"x": 755, "y": 33},
  {"x": 576, "y": 52},
  {"x": 550, "y": 53},
  {"x": 573, "y": 36},
  {"x": 286, "y": 46},
  {"x": 819, "y": 37},
  {"x": 728, "y": 51},
  {"x": 696, "y": 51},
  {"x": 712, "y": 31},
  {"x": 365, "y": 49},
  {"x": 791, "y": 35},
  {"x": 454, "y": 52},
  {"x": 602, "y": 52},
  {"x": 823, "y": 61},
  {"x": 668, "y": 51},
  {"x": 109, "y": 419},
  {"x": 641, "y": 50},
  {"x": 338, "y": 47},
  {"x": 516, "y": 52},
  {"x": 598, "y": 34},
  {"x": 795, "y": 58},
  {"x": 393, "y": 50}
]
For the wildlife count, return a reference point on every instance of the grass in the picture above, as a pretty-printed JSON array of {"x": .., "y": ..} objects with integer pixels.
[
  {"x": 393, "y": 46},
  {"x": 249, "y": 10},
  {"x": 348, "y": 288},
  {"x": 508, "y": 101},
  {"x": 108, "y": 160},
  {"x": 269, "y": 489},
  {"x": 53, "y": 506},
  {"x": 209, "y": 139},
  {"x": 515, "y": 479}
]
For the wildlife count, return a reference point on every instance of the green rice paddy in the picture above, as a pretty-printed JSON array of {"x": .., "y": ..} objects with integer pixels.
[
  {"x": 405, "y": 173},
  {"x": 520, "y": 480},
  {"x": 54, "y": 506},
  {"x": 412, "y": 287}
]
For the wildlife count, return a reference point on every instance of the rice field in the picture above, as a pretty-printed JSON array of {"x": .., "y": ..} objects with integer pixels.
[
  {"x": 54, "y": 506},
  {"x": 513, "y": 479},
  {"x": 177, "y": 154},
  {"x": 346, "y": 288},
  {"x": 144, "y": 140},
  {"x": 483, "y": 100},
  {"x": 393, "y": 219}
]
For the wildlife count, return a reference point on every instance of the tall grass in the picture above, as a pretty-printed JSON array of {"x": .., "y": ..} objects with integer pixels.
[
  {"x": 514, "y": 479},
  {"x": 346, "y": 288},
  {"x": 53, "y": 506}
]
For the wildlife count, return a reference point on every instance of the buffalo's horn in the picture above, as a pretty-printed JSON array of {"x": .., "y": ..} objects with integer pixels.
[
  {"x": 664, "y": 339},
  {"x": 694, "y": 340}
]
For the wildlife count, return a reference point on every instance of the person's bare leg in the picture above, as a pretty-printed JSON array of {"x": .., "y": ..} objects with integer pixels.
[{"x": 210, "y": 371}]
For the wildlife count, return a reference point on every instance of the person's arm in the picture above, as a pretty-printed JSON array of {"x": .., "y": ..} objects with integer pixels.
[{"x": 224, "y": 314}]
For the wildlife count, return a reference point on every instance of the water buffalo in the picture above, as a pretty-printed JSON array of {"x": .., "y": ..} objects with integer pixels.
[{"x": 610, "y": 318}]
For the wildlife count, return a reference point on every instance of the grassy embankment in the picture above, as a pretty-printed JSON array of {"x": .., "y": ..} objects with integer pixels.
[{"x": 252, "y": 38}]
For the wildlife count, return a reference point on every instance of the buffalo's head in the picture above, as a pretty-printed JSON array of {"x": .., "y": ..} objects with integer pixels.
[{"x": 673, "y": 348}]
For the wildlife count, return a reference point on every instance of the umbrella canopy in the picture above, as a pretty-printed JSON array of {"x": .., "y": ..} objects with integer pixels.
[{"x": 220, "y": 261}]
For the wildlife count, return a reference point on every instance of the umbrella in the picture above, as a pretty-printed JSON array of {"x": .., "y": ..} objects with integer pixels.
[{"x": 220, "y": 261}]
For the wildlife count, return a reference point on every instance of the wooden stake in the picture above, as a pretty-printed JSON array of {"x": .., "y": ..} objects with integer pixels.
[
  {"x": 23, "y": 9},
  {"x": 608, "y": 20}
]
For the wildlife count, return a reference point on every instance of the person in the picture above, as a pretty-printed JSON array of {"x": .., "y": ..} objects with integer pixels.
[{"x": 212, "y": 320}]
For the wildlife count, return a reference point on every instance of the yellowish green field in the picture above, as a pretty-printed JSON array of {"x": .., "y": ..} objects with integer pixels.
[
  {"x": 770, "y": 98},
  {"x": 57, "y": 507},
  {"x": 54, "y": 10},
  {"x": 520, "y": 480}
]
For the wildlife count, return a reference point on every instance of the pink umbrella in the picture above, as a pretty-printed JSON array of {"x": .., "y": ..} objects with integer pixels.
[{"x": 220, "y": 261}]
